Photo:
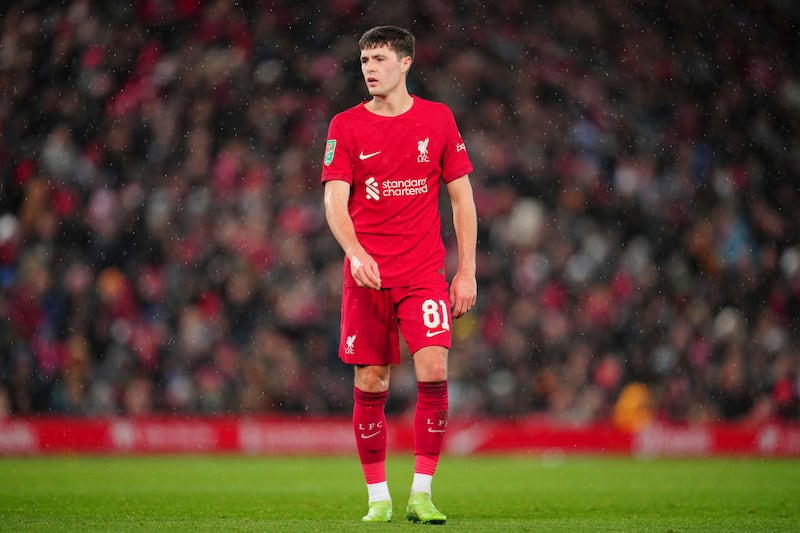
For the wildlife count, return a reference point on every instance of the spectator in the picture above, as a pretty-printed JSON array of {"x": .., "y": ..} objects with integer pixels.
[{"x": 162, "y": 246}]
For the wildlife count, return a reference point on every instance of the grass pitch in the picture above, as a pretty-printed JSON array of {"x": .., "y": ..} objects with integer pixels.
[{"x": 518, "y": 493}]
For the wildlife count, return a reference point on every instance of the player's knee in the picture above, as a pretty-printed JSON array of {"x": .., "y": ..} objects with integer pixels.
[
  {"x": 434, "y": 373},
  {"x": 432, "y": 370},
  {"x": 431, "y": 364},
  {"x": 372, "y": 378}
]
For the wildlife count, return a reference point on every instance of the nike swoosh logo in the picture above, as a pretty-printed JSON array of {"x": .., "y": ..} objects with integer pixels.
[
  {"x": 430, "y": 333},
  {"x": 431, "y": 430},
  {"x": 362, "y": 156},
  {"x": 365, "y": 436}
]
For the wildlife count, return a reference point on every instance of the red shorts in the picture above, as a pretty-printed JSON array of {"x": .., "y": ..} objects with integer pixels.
[{"x": 372, "y": 322}]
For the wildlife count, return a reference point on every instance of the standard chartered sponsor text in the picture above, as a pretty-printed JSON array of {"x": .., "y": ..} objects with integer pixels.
[{"x": 407, "y": 187}]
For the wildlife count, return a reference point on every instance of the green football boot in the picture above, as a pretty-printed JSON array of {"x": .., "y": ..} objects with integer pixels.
[
  {"x": 421, "y": 509},
  {"x": 379, "y": 512}
]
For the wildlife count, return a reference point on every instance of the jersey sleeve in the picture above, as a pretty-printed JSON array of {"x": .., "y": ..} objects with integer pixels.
[
  {"x": 337, "y": 161},
  {"x": 455, "y": 160}
]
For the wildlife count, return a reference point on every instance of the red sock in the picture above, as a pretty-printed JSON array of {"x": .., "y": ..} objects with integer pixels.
[
  {"x": 430, "y": 424},
  {"x": 369, "y": 426}
]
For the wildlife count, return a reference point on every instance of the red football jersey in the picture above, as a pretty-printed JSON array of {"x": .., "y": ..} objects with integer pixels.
[{"x": 395, "y": 166}]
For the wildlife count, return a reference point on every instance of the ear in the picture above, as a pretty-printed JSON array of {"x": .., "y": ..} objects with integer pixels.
[{"x": 405, "y": 63}]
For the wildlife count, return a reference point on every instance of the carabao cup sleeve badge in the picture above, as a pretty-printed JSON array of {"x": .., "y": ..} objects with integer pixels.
[{"x": 330, "y": 149}]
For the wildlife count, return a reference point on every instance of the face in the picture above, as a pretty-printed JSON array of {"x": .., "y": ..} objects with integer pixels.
[{"x": 384, "y": 72}]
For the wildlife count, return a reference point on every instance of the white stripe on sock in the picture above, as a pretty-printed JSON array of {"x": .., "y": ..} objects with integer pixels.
[
  {"x": 378, "y": 492},
  {"x": 421, "y": 483}
]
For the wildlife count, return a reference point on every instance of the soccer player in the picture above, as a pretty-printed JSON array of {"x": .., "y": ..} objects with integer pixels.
[{"x": 384, "y": 163}]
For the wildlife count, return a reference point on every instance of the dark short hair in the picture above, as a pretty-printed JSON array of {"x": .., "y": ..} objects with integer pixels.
[{"x": 398, "y": 39}]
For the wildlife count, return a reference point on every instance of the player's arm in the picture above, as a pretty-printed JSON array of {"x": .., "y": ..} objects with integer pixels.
[
  {"x": 362, "y": 266},
  {"x": 464, "y": 287}
]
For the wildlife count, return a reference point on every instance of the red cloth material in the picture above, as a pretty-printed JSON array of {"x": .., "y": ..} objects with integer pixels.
[
  {"x": 369, "y": 427},
  {"x": 430, "y": 425}
]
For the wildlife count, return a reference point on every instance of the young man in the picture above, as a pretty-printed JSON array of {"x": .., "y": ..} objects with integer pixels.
[{"x": 384, "y": 163}]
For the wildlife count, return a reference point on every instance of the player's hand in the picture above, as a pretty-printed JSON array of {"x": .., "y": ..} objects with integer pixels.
[
  {"x": 463, "y": 293},
  {"x": 365, "y": 271}
]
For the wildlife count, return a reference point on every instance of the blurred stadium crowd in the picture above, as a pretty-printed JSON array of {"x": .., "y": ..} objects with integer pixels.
[{"x": 163, "y": 247}]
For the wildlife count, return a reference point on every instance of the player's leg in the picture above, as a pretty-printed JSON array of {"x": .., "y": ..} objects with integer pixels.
[
  {"x": 424, "y": 316},
  {"x": 370, "y": 342},
  {"x": 430, "y": 425},
  {"x": 430, "y": 416},
  {"x": 369, "y": 424}
]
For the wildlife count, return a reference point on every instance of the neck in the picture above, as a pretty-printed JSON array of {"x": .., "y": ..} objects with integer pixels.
[{"x": 390, "y": 105}]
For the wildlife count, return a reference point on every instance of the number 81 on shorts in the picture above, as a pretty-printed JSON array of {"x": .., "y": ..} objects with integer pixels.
[{"x": 435, "y": 316}]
